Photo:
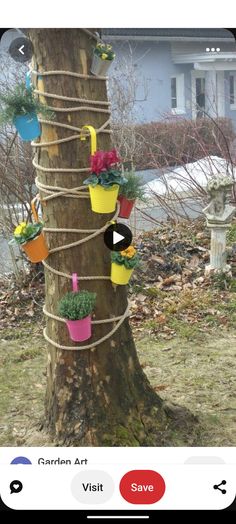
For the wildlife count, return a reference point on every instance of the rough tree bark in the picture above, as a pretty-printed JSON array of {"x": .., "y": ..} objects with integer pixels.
[{"x": 100, "y": 397}]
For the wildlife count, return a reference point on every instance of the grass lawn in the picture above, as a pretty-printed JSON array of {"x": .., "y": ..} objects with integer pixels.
[{"x": 197, "y": 373}]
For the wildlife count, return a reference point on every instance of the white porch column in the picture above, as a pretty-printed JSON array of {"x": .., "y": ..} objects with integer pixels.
[{"x": 211, "y": 93}]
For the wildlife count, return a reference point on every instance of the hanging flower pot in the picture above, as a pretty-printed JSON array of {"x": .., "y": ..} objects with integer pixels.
[
  {"x": 104, "y": 181},
  {"x": 103, "y": 200},
  {"x": 21, "y": 107},
  {"x": 120, "y": 274},
  {"x": 129, "y": 192},
  {"x": 126, "y": 206},
  {"x": 80, "y": 330},
  {"x": 103, "y": 56},
  {"x": 31, "y": 239},
  {"x": 100, "y": 66},
  {"x": 36, "y": 250},
  {"x": 27, "y": 126},
  {"x": 123, "y": 264},
  {"x": 76, "y": 307}
]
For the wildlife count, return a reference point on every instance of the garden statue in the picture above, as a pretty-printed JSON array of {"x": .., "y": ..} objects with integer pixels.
[
  {"x": 219, "y": 213},
  {"x": 219, "y": 210}
]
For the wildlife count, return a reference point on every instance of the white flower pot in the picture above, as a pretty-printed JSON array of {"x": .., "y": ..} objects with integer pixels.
[{"x": 100, "y": 67}]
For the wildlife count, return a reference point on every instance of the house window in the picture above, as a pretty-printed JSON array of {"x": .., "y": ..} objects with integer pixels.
[
  {"x": 177, "y": 94},
  {"x": 232, "y": 90}
]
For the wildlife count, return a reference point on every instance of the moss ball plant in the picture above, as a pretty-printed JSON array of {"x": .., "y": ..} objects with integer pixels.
[{"x": 77, "y": 305}]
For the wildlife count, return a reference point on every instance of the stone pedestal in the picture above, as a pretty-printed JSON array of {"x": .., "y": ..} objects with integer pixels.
[
  {"x": 218, "y": 259},
  {"x": 219, "y": 214}
]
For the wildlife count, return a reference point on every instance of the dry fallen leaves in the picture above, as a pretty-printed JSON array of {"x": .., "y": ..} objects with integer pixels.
[{"x": 171, "y": 278}]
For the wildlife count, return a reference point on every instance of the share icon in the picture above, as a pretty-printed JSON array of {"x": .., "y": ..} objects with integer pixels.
[{"x": 217, "y": 486}]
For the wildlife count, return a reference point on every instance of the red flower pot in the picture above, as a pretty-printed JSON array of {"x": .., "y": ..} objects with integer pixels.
[{"x": 126, "y": 206}]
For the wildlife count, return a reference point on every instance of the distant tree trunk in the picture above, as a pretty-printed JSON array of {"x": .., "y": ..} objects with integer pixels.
[{"x": 100, "y": 397}]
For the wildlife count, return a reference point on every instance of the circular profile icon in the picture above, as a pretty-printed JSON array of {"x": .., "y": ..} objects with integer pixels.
[{"x": 21, "y": 460}]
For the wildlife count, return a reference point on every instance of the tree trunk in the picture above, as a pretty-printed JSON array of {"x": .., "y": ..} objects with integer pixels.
[{"x": 98, "y": 397}]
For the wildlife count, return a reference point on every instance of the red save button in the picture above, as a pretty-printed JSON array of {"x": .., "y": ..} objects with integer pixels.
[{"x": 142, "y": 486}]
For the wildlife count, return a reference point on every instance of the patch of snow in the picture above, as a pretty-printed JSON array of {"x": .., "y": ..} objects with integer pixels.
[{"x": 190, "y": 177}]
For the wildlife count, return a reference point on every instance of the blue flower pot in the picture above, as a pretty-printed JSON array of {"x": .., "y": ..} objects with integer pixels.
[{"x": 27, "y": 126}]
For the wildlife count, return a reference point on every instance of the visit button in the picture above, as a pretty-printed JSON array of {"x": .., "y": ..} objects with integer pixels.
[{"x": 142, "y": 486}]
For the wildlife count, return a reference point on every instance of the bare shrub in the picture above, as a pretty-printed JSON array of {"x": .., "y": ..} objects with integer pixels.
[
  {"x": 16, "y": 170},
  {"x": 17, "y": 175},
  {"x": 175, "y": 141},
  {"x": 123, "y": 89}
]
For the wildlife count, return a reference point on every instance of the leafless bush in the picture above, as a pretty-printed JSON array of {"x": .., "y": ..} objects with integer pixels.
[
  {"x": 177, "y": 141},
  {"x": 16, "y": 178},
  {"x": 16, "y": 171},
  {"x": 16, "y": 181},
  {"x": 123, "y": 90}
]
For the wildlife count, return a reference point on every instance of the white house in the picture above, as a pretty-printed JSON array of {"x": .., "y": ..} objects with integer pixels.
[{"x": 186, "y": 72}]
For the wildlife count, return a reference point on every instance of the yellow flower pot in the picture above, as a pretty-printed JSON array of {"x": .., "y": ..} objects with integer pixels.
[
  {"x": 120, "y": 274},
  {"x": 103, "y": 200}
]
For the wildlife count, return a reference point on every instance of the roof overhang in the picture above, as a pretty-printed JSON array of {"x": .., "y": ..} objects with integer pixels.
[
  {"x": 150, "y": 38},
  {"x": 216, "y": 66},
  {"x": 206, "y": 57}
]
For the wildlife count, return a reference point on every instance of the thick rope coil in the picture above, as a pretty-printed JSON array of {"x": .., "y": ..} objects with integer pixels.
[
  {"x": 60, "y": 319},
  {"x": 52, "y": 192},
  {"x": 94, "y": 344}
]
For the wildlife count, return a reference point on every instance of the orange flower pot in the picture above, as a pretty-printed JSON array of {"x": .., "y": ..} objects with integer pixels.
[{"x": 36, "y": 249}]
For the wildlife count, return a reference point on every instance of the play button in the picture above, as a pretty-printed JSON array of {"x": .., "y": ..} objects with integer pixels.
[{"x": 117, "y": 237}]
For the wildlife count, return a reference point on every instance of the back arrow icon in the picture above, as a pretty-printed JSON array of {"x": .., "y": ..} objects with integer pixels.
[{"x": 21, "y": 49}]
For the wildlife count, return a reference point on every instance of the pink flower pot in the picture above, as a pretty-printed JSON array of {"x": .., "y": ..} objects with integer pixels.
[{"x": 79, "y": 330}]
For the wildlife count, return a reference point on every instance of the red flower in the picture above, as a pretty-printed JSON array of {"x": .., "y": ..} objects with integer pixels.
[
  {"x": 111, "y": 157},
  {"x": 103, "y": 160},
  {"x": 97, "y": 162}
]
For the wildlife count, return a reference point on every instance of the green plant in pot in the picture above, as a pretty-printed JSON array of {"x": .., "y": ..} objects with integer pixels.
[
  {"x": 76, "y": 307},
  {"x": 129, "y": 192},
  {"x": 20, "y": 107},
  {"x": 103, "y": 56}
]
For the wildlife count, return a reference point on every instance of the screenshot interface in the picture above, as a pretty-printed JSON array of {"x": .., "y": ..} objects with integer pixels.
[{"x": 117, "y": 270}]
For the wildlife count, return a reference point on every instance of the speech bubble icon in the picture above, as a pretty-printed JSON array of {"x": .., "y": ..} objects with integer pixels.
[{"x": 16, "y": 486}]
